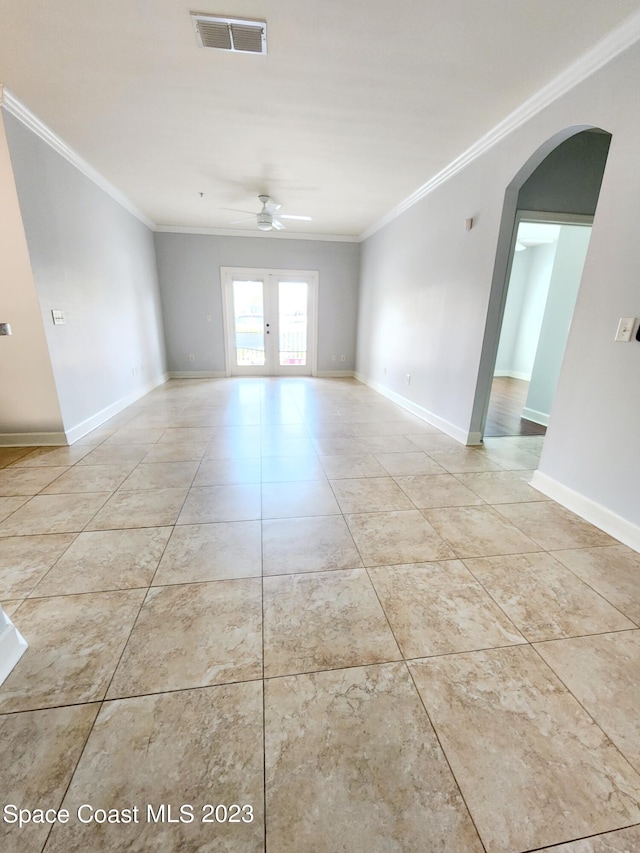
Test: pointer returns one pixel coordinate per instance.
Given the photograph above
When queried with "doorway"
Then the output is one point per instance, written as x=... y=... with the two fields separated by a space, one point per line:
x=269 y=321
x=548 y=258
x=564 y=176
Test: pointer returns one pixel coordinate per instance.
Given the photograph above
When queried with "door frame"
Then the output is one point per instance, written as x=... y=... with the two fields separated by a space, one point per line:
x=227 y=274
x=545 y=217
x=534 y=216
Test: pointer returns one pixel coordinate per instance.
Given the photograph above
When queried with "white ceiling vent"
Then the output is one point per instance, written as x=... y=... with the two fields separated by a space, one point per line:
x=231 y=34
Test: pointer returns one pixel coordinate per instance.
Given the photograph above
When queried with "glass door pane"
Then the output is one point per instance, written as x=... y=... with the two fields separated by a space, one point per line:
x=292 y=323
x=248 y=323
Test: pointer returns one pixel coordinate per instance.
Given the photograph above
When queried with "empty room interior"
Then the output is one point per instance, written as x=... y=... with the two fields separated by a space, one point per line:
x=319 y=426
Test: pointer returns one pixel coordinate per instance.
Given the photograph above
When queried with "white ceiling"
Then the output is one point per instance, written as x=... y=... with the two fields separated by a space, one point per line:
x=356 y=105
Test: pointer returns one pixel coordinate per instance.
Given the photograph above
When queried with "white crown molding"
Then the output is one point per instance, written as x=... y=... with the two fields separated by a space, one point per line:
x=613 y=44
x=16 y=108
x=269 y=235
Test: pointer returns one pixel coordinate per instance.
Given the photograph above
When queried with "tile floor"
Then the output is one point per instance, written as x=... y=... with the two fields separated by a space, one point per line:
x=296 y=601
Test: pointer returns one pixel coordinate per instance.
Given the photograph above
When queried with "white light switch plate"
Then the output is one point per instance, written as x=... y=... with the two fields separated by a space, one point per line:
x=625 y=328
x=58 y=317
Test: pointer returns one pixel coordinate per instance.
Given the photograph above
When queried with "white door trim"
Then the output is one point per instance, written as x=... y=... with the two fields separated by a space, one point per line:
x=227 y=274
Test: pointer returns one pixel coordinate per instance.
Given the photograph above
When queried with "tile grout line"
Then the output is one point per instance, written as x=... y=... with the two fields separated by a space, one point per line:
x=607 y=737
x=445 y=756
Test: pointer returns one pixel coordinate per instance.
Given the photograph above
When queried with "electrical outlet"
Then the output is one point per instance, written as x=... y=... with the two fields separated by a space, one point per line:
x=209 y=318
x=408 y=379
x=192 y=357
x=343 y=358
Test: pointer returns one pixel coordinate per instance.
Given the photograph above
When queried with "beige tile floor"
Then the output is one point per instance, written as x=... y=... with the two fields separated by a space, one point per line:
x=294 y=600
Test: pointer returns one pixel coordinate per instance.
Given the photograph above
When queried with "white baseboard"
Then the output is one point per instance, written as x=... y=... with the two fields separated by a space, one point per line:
x=620 y=528
x=513 y=374
x=334 y=374
x=452 y=430
x=537 y=417
x=197 y=374
x=81 y=429
x=32 y=439
x=12 y=645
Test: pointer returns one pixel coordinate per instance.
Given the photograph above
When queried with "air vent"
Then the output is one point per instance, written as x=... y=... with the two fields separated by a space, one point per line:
x=231 y=34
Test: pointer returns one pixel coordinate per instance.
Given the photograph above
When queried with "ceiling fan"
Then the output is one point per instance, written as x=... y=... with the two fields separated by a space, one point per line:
x=266 y=218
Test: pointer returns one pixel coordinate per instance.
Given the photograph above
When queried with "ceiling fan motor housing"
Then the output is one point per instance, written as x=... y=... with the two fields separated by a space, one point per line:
x=265 y=222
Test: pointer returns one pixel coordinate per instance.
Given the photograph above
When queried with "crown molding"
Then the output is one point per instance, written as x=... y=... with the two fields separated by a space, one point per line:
x=269 y=235
x=613 y=44
x=16 y=108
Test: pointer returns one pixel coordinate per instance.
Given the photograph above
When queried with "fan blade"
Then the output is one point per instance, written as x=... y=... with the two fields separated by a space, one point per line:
x=277 y=224
x=272 y=206
x=291 y=216
x=238 y=210
x=246 y=219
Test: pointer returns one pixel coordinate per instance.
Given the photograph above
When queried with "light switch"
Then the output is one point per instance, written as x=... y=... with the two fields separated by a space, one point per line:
x=5 y=329
x=58 y=317
x=625 y=329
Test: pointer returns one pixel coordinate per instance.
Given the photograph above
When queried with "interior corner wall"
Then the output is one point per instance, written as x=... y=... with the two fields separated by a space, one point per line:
x=563 y=286
x=524 y=312
x=535 y=300
x=189 y=270
x=28 y=397
x=94 y=261
x=426 y=285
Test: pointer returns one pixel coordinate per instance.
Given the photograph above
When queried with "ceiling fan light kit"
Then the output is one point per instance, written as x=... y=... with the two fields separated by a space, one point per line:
x=265 y=222
x=265 y=219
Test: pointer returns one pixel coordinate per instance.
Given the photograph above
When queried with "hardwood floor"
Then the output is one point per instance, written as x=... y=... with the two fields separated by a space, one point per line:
x=508 y=397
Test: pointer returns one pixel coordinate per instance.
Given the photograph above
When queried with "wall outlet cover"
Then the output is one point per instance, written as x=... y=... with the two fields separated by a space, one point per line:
x=625 y=329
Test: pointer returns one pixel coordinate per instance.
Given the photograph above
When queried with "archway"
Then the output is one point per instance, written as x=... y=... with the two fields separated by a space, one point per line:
x=561 y=179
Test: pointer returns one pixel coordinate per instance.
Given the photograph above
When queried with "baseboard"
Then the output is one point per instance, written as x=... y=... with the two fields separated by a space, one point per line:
x=12 y=645
x=334 y=374
x=535 y=416
x=513 y=374
x=452 y=430
x=81 y=429
x=32 y=439
x=620 y=528
x=197 y=374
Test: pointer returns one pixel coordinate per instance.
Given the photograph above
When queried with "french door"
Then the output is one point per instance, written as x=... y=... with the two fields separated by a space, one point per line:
x=270 y=321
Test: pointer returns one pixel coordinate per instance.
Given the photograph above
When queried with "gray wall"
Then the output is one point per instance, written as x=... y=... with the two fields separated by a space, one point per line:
x=96 y=262
x=189 y=270
x=569 y=179
x=427 y=287
x=562 y=294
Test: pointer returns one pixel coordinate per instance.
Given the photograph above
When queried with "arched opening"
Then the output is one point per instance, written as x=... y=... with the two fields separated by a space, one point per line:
x=547 y=213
